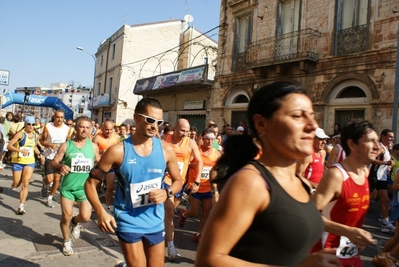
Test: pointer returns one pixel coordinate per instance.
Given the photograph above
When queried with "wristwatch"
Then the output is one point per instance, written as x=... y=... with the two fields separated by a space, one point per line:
x=196 y=183
x=169 y=192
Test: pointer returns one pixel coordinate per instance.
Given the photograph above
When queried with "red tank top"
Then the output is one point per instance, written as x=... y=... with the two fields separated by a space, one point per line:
x=314 y=172
x=349 y=209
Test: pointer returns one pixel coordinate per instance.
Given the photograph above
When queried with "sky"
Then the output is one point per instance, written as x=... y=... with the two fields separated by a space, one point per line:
x=39 y=37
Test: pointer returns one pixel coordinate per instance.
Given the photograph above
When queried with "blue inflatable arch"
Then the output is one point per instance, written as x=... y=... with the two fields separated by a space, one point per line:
x=39 y=101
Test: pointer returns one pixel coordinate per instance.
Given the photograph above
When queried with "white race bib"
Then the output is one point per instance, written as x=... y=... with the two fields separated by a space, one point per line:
x=346 y=249
x=58 y=142
x=139 y=192
x=80 y=164
x=180 y=164
x=205 y=172
x=29 y=149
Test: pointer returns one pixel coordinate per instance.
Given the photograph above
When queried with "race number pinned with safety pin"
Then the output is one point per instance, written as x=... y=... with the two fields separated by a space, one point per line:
x=205 y=173
x=30 y=152
x=80 y=164
x=139 y=192
x=346 y=249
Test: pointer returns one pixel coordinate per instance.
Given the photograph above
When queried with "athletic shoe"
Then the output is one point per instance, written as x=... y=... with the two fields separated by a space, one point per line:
x=44 y=190
x=13 y=187
x=120 y=264
x=389 y=219
x=182 y=219
x=75 y=229
x=1 y=166
x=384 y=260
x=197 y=237
x=172 y=253
x=67 y=248
x=387 y=228
x=21 y=211
x=49 y=202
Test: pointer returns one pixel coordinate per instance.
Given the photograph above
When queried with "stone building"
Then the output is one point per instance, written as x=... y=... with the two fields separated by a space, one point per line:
x=343 y=52
x=149 y=59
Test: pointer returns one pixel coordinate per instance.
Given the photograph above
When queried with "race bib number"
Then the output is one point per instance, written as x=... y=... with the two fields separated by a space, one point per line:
x=346 y=249
x=139 y=192
x=58 y=142
x=80 y=164
x=30 y=152
x=180 y=164
x=205 y=172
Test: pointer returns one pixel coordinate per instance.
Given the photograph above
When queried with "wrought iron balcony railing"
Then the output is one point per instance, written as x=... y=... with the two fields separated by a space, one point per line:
x=290 y=47
x=352 y=40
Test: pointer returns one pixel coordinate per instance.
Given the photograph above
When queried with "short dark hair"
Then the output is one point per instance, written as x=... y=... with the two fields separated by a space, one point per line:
x=385 y=132
x=142 y=105
x=395 y=147
x=207 y=131
x=354 y=131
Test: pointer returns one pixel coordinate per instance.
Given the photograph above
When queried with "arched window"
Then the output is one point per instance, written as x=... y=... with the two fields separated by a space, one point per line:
x=351 y=92
x=240 y=99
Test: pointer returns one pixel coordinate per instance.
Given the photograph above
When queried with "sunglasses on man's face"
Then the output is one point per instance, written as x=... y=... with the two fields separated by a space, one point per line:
x=151 y=120
x=29 y=124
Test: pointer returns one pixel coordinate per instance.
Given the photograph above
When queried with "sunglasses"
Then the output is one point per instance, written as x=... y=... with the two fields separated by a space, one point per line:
x=69 y=124
x=151 y=120
x=29 y=124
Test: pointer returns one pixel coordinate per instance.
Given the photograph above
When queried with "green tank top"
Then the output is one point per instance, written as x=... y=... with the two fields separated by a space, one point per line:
x=80 y=160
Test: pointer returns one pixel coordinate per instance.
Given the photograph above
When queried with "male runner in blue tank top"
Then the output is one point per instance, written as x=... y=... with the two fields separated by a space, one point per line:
x=139 y=163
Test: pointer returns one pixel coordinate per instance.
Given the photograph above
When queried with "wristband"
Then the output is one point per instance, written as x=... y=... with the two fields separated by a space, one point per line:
x=196 y=183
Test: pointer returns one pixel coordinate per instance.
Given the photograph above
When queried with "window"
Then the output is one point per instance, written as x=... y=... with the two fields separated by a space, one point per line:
x=241 y=99
x=287 y=23
x=99 y=88
x=113 y=51
x=80 y=110
x=102 y=60
x=342 y=117
x=351 y=26
x=350 y=92
x=110 y=84
x=116 y=89
x=242 y=38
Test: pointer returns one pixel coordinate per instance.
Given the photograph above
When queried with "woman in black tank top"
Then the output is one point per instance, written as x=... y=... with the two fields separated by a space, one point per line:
x=265 y=214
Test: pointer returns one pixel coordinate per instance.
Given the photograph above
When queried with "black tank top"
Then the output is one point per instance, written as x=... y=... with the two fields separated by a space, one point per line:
x=284 y=233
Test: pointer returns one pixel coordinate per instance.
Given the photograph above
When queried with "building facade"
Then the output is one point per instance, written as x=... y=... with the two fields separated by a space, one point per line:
x=343 y=52
x=158 y=51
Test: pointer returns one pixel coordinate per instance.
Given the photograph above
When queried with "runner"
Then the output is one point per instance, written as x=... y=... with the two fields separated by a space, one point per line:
x=23 y=147
x=74 y=160
x=343 y=195
x=379 y=175
x=203 y=196
x=54 y=134
x=265 y=214
x=312 y=167
x=104 y=140
x=186 y=150
x=140 y=163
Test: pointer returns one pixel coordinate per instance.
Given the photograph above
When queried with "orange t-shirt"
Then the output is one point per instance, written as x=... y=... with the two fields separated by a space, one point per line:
x=105 y=143
x=183 y=152
x=209 y=161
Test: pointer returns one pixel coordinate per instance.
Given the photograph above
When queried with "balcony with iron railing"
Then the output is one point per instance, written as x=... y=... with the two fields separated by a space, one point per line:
x=291 y=47
x=352 y=40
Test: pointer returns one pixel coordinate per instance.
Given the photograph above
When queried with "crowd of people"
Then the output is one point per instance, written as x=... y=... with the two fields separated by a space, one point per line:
x=249 y=183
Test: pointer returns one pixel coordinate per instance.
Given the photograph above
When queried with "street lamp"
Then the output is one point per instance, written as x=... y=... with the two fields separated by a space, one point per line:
x=94 y=79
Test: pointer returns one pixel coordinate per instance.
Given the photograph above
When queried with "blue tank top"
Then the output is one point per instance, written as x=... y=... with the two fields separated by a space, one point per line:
x=136 y=176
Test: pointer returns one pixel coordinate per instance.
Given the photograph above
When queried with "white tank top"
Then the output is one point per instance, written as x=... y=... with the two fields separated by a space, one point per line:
x=57 y=136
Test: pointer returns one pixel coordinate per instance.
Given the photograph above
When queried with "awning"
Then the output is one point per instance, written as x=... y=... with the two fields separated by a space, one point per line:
x=191 y=112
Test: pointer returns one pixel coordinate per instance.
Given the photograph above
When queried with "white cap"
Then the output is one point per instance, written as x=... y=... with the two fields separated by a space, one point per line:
x=321 y=134
x=240 y=128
